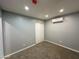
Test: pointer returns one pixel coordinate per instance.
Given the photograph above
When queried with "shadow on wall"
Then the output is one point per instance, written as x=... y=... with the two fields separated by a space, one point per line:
x=58 y=22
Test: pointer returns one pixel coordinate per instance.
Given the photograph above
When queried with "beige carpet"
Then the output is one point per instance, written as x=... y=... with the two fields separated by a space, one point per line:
x=45 y=50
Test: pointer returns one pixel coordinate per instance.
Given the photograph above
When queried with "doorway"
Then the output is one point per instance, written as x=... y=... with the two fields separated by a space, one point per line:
x=39 y=31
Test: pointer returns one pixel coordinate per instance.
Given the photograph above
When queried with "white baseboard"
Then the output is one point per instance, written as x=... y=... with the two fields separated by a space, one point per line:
x=38 y=43
x=19 y=50
x=63 y=46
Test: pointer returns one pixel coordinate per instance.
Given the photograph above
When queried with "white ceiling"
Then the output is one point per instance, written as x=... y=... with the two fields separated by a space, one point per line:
x=50 y=7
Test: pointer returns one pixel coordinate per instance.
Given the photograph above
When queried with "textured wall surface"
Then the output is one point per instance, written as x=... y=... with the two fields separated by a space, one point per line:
x=65 y=33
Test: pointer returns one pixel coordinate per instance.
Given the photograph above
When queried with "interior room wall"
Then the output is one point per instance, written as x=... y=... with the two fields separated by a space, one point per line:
x=65 y=33
x=19 y=31
x=1 y=37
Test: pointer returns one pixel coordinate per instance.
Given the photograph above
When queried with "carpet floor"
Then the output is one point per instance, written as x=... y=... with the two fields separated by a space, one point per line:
x=45 y=50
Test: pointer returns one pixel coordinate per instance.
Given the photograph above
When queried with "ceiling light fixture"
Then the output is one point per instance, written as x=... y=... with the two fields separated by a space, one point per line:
x=61 y=10
x=46 y=16
x=26 y=8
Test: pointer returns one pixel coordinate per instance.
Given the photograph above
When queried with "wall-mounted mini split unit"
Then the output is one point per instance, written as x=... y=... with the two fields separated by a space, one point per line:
x=58 y=20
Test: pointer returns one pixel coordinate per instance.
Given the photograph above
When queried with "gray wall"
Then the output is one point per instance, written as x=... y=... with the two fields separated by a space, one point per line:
x=65 y=33
x=19 y=32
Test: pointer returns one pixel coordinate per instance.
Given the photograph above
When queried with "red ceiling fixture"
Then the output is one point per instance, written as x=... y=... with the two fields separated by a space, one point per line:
x=34 y=2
